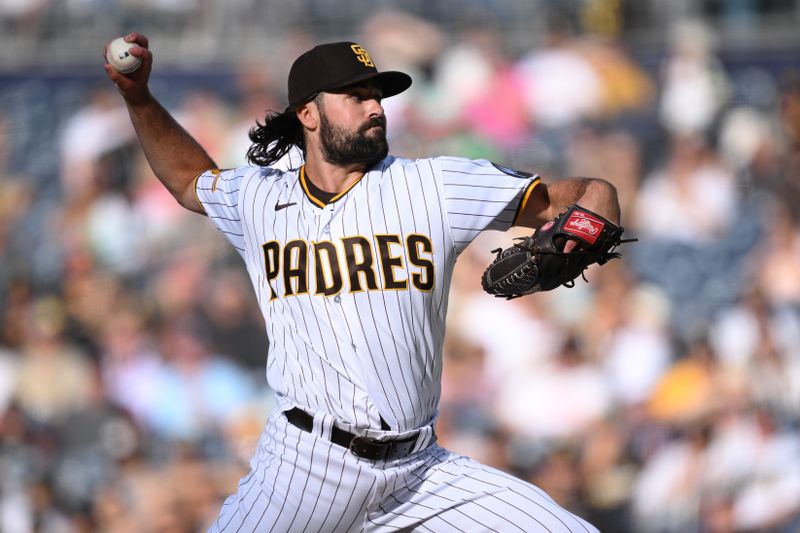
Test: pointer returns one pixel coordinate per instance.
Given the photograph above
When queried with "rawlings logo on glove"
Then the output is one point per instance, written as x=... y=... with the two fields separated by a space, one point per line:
x=539 y=263
x=583 y=224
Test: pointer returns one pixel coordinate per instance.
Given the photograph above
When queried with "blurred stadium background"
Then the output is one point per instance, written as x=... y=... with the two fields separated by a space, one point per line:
x=661 y=397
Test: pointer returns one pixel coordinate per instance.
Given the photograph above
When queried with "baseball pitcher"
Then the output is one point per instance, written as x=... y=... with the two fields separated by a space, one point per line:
x=351 y=254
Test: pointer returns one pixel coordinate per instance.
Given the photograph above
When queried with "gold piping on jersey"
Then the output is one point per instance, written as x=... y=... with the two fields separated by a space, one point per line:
x=316 y=201
x=216 y=172
x=521 y=207
x=197 y=196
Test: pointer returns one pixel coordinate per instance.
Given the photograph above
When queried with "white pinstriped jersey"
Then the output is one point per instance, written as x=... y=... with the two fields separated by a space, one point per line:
x=354 y=292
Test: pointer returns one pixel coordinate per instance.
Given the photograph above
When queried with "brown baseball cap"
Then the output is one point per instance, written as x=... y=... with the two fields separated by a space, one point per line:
x=336 y=65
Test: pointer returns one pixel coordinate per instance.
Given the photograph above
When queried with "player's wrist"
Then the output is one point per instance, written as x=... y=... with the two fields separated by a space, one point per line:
x=140 y=98
x=600 y=197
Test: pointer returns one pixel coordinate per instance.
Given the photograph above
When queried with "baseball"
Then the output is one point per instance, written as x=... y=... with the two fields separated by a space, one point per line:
x=119 y=56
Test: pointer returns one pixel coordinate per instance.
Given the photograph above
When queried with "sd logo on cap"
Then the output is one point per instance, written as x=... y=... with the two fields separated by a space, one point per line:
x=336 y=65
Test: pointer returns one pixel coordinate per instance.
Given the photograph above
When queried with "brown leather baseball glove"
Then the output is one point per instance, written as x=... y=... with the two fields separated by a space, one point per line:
x=538 y=262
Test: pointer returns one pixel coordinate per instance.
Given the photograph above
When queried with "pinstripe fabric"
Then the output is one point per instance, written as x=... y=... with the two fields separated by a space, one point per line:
x=371 y=349
x=301 y=482
x=354 y=296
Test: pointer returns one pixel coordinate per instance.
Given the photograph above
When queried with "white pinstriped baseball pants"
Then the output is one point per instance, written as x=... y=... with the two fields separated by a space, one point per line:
x=300 y=481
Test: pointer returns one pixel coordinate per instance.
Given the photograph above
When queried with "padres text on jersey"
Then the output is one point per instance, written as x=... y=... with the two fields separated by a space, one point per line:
x=353 y=264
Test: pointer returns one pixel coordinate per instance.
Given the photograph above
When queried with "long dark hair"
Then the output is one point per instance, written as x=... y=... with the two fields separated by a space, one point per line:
x=275 y=137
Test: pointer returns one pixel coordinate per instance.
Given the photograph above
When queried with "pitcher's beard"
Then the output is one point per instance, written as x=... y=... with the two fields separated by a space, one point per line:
x=365 y=146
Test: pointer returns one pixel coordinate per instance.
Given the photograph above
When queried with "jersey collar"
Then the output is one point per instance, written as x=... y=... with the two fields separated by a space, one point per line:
x=317 y=201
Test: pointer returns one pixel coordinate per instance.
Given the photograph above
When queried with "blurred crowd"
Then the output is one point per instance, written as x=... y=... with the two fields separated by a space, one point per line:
x=662 y=396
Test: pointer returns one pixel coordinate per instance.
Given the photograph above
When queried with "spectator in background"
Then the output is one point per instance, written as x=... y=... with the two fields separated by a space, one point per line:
x=775 y=263
x=554 y=401
x=690 y=389
x=115 y=232
x=54 y=379
x=694 y=83
x=625 y=88
x=775 y=378
x=87 y=142
x=561 y=86
x=131 y=363
x=666 y=493
x=16 y=200
x=174 y=495
x=750 y=144
x=759 y=341
x=232 y=325
x=737 y=332
x=466 y=387
x=557 y=472
x=174 y=286
x=608 y=470
x=466 y=420
x=92 y=441
x=770 y=497
x=197 y=392
x=637 y=350
x=495 y=112
x=691 y=199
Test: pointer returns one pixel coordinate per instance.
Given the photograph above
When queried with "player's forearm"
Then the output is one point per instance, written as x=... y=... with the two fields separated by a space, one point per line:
x=548 y=200
x=175 y=156
x=594 y=194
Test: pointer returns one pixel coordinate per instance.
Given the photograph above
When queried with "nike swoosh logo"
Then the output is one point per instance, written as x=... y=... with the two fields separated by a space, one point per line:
x=278 y=207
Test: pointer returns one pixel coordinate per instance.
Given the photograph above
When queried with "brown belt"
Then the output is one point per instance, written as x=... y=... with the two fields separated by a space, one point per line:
x=376 y=450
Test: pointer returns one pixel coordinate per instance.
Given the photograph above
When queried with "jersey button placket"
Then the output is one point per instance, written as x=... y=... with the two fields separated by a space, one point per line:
x=326 y=232
x=325 y=220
